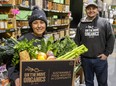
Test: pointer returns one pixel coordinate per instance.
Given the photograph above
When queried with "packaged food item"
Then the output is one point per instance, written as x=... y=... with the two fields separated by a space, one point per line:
x=3 y=71
x=9 y=25
x=4 y=76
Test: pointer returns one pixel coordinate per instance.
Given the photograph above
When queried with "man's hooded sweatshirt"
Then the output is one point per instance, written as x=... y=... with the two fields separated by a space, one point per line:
x=97 y=35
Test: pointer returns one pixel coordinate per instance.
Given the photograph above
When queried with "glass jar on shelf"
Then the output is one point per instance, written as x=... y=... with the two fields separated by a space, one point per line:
x=114 y=21
x=1 y=24
x=10 y=24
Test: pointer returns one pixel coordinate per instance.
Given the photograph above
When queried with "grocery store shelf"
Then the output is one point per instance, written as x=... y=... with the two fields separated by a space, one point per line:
x=6 y=5
x=23 y=7
x=3 y=16
x=8 y=30
x=57 y=25
x=55 y=11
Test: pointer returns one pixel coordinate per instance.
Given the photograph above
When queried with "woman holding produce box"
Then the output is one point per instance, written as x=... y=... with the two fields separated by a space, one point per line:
x=97 y=35
x=38 y=24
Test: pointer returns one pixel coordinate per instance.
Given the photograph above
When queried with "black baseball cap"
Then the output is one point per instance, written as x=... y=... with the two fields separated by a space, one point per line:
x=91 y=4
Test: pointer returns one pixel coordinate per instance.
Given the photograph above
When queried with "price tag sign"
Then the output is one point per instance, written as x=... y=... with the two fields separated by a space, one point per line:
x=47 y=73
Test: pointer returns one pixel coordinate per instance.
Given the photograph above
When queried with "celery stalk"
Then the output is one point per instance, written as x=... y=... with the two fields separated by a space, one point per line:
x=75 y=52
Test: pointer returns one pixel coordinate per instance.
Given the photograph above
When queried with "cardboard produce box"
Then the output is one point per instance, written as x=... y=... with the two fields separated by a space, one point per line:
x=47 y=73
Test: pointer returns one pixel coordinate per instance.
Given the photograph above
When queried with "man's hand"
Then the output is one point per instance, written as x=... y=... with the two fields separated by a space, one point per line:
x=78 y=60
x=17 y=82
x=102 y=56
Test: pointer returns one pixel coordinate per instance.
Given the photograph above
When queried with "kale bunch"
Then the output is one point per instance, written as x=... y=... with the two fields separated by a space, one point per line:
x=7 y=50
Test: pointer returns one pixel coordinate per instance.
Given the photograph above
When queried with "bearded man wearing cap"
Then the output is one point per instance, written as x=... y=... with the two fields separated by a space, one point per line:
x=97 y=35
x=38 y=24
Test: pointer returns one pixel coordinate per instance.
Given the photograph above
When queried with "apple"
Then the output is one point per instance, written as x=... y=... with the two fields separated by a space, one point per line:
x=49 y=53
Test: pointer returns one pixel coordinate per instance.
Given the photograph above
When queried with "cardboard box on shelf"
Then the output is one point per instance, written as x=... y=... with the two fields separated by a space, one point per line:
x=61 y=32
x=67 y=2
x=67 y=32
x=18 y=2
x=12 y=2
x=39 y=3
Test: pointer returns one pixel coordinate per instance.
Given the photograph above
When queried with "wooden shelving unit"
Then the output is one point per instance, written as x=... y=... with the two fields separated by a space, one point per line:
x=58 y=17
x=7 y=19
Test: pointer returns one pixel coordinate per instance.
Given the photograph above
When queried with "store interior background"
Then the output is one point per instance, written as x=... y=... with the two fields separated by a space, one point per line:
x=106 y=11
x=77 y=9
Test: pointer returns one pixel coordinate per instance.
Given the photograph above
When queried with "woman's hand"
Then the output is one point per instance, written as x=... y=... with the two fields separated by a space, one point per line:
x=17 y=82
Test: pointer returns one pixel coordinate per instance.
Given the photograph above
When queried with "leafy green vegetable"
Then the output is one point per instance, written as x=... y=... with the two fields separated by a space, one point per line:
x=7 y=50
x=25 y=45
x=46 y=44
x=59 y=47
x=62 y=46
x=74 y=53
